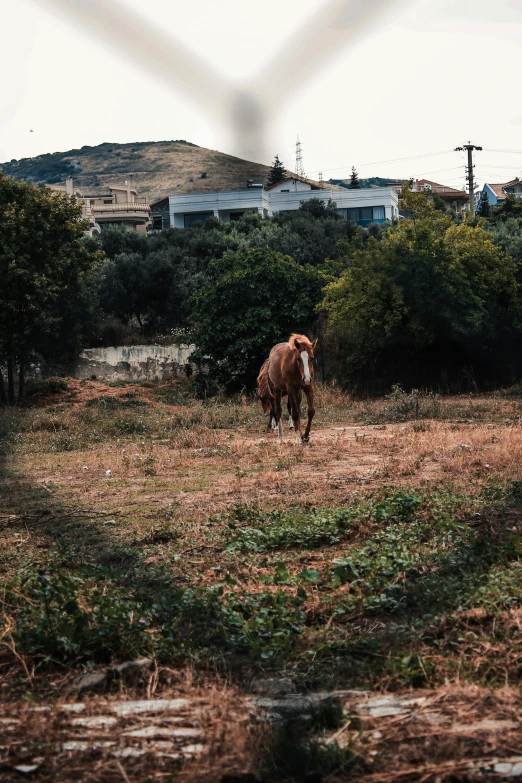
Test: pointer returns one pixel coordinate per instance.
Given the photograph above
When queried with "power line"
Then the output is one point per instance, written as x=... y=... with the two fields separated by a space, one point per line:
x=393 y=160
x=510 y=152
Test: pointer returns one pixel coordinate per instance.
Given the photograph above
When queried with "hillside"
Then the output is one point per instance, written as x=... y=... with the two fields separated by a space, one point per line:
x=156 y=168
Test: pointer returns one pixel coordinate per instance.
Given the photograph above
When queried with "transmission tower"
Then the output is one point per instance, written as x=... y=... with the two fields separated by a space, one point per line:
x=299 y=168
x=469 y=147
x=320 y=177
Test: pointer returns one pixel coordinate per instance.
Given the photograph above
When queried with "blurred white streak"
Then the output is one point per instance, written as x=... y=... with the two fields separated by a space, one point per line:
x=246 y=113
x=322 y=39
x=146 y=46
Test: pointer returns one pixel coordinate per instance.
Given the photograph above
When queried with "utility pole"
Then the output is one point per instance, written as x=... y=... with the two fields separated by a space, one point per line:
x=469 y=172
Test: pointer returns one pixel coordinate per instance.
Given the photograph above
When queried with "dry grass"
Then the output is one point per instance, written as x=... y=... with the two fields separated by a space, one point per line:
x=157 y=169
x=138 y=479
x=91 y=740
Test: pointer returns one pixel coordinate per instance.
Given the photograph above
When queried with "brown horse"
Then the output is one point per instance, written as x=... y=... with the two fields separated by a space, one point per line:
x=266 y=398
x=291 y=372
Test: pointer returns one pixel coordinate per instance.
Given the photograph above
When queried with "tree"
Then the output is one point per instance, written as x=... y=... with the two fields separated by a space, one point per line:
x=123 y=287
x=354 y=179
x=511 y=207
x=277 y=172
x=316 y=207
x=43 y=259
x=429 y=287
x=255 y=299
x=508 y=235
x=483 y=208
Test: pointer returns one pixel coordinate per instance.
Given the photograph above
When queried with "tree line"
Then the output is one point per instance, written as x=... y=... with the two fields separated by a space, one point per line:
x=432 y=300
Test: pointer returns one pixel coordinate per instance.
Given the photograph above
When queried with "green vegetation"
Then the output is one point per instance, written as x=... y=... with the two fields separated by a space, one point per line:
x=430 y=294
x=46 y=297
x=417 y=565
x=252 y=299
x=483 y=209
x=277 y=172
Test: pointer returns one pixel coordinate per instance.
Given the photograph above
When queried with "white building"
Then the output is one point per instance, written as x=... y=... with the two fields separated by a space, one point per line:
x=362 y=205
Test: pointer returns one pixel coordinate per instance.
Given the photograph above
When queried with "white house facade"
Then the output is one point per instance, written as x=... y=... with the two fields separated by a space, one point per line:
x=361 y=205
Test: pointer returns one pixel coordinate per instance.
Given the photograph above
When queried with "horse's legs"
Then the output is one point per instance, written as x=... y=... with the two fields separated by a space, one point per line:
x=294 y=399
x=309 y=391
x=290 y=420
x=278 y=412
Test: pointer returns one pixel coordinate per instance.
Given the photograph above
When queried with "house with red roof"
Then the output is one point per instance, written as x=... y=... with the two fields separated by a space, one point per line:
x=497 y=193
x=454 y=199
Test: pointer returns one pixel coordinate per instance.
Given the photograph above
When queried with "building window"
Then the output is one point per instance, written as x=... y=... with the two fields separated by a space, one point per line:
x=107 y=201
x=236 y=216
x=196 y=217
x=363 y=216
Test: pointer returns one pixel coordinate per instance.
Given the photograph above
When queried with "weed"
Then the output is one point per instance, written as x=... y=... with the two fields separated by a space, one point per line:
x=47 y=388
x=284 y=529
x=113 y=403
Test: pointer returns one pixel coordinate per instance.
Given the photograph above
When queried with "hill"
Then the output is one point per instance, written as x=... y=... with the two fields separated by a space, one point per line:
x=156 y=168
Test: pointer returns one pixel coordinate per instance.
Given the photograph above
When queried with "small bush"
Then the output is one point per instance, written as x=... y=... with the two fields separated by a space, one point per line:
x=47 y=388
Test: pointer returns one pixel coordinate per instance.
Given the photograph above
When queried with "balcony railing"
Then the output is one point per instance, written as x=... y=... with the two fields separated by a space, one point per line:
x=131 y=206
x=442 y=189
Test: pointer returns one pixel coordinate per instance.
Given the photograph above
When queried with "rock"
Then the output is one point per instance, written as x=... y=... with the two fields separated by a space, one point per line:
x=162 y=731
x=383 y=706
x=288 y=706
x=82 y=746
x=94 y=721
x=74 y=707
x=191 y=750
x=273 y=687
x=123 y=708
x=131 y=670
x=129 y=753
x=97 y=681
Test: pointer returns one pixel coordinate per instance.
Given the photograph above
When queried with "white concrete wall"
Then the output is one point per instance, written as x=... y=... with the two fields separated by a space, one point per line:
x=272 y=201
x=293 y=185
x=362 y=197
x=133 y=362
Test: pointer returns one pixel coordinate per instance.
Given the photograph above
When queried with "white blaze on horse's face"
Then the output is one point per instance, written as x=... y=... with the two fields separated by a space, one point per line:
x=304 y=358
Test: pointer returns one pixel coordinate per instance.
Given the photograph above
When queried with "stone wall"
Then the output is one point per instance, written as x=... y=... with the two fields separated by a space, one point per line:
x=133 y=362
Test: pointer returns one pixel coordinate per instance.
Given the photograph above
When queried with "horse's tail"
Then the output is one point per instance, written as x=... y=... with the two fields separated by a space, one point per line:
x=263 y=389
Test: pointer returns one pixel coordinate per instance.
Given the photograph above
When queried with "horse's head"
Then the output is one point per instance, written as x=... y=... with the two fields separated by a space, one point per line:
x=305 y=356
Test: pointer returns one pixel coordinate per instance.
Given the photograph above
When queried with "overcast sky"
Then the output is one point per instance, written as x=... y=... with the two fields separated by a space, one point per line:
x=427 y=76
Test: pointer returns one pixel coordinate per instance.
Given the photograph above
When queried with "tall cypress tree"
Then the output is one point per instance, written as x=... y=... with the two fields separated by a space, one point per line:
x=276 y=173
x=354 y=179
x=483 y=208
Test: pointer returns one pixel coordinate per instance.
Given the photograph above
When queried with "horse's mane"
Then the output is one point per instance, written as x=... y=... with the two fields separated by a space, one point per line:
x=302 y=338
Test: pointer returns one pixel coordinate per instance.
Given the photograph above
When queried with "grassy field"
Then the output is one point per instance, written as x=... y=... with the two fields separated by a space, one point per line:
x=383 y=556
